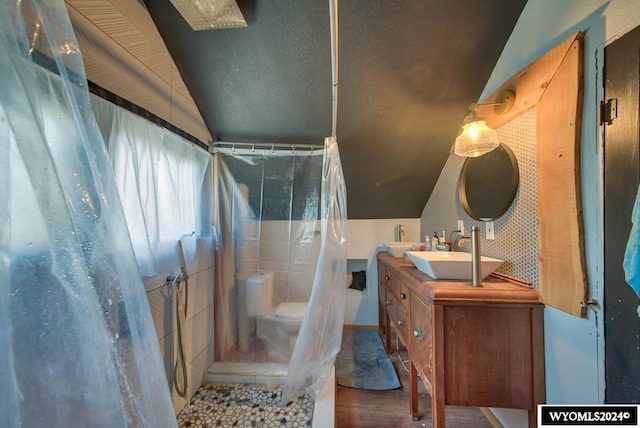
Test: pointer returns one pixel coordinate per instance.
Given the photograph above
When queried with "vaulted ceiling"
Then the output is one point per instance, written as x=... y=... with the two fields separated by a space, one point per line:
x=408 y=69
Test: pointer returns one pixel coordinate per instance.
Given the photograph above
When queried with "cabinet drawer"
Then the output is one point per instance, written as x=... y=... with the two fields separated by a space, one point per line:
x=421 y=340
x=383 y=283
x=400 y=318
x=404 y=297
x=394 y=286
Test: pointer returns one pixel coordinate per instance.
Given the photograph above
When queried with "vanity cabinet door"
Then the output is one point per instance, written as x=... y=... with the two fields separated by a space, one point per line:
x=421 y=340
x=402 y=323
x=394 y=286
x=383 y=281
x=404 y=297
x=383 y=322
x=400 y=318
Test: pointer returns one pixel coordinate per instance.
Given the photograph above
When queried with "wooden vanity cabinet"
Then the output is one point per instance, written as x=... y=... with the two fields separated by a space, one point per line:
x=421 y=341
x=471 y=346
x=383 y=319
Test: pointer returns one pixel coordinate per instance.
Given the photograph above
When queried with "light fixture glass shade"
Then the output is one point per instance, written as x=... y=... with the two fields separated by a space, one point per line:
x=476 y=139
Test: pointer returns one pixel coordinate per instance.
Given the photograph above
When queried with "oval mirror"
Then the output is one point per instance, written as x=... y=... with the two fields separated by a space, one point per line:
x=489 y=183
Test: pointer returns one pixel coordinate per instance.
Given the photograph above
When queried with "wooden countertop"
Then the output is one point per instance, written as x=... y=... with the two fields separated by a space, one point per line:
x=494 y=290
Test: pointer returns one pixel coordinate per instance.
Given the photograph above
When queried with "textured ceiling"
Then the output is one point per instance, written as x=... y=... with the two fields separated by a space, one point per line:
x=407 y=72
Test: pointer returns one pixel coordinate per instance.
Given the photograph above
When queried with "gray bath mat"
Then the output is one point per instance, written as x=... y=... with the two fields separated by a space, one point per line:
x=363 y=363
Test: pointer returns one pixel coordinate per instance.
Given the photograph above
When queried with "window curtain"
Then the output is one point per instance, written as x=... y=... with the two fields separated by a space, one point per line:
x=165 y=185
x=76 y=335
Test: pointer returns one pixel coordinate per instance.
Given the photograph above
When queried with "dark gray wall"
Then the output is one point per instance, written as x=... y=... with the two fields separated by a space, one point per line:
x=407 y=72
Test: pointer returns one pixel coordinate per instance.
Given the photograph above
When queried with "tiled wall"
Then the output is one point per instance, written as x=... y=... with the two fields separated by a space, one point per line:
x=198 y=331
x=289 y=249
x=515 y=232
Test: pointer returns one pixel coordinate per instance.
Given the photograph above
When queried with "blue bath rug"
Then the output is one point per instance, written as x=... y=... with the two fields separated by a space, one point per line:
x=363 y=363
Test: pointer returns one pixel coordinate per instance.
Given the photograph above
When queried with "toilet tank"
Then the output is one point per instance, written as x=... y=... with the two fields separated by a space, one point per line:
x=259 y=291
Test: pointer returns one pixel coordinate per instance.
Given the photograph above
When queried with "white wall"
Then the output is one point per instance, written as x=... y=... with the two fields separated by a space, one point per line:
x=573 y=346
x=365 y=239
x=289 y=250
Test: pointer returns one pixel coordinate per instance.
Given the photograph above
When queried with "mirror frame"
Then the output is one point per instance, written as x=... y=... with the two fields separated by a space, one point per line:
x=513 y=190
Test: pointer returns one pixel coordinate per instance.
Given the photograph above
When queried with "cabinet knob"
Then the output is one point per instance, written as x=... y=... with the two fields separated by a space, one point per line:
x=388 y=301
x=418 y=333
x=403 y=296
x=386 y=278
x=401 y=322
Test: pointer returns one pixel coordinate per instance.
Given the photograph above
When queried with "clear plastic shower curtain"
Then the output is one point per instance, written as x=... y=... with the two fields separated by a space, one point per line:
x=282 y=214
x=320 y=335
x=76 y=336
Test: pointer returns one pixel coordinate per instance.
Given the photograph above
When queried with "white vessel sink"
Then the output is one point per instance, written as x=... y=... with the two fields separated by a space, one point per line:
x=450 y=264
x=397 y=249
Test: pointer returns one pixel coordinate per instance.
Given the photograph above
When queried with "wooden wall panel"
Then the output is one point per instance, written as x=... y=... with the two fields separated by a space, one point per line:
x=554 y=84
x=529 y=84
x=562 y=270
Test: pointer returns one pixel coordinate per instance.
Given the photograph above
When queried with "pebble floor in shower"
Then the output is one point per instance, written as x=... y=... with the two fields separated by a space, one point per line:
x=240 y=405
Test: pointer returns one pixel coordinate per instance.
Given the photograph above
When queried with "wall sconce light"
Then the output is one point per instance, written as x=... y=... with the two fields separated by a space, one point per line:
x=476 y=138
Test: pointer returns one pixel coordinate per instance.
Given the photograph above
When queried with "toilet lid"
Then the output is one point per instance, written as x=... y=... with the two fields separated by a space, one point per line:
x=291 y=310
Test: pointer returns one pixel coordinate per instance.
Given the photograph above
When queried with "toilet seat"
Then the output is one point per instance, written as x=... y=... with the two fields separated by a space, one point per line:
x=291 y=310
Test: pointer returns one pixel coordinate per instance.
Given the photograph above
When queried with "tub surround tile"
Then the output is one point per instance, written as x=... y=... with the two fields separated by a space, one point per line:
x=200 y=331
x=162 y=310
x=204 y=259
x=201 y=292
x=255 y=369
x=274 y=250
x=275 y=230
x=248 y=249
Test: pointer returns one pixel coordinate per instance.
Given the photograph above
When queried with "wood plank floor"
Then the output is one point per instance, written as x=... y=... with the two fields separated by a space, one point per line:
x=385 y=409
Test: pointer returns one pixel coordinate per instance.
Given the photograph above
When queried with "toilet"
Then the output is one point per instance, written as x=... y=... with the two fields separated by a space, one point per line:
x=276 y=327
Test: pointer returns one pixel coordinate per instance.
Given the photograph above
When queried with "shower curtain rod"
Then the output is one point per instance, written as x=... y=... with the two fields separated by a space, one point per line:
x=333 y=23
x=266 y=146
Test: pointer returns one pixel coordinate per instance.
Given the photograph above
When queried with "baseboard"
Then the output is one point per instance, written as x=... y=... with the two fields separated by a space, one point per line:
x=495 y=423
x=324 y=408
x=360 y=327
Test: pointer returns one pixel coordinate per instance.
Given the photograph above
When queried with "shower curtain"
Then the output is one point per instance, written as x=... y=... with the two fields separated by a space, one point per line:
x=282 y=212
x=77 y=339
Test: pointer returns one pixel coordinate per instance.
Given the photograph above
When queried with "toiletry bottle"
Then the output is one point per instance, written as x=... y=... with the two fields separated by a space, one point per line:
x=440 y=245
x=434 y=242
x=427 y=243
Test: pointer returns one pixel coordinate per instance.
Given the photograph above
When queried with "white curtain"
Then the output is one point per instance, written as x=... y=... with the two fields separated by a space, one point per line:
x=165 y=184
x=76 y=336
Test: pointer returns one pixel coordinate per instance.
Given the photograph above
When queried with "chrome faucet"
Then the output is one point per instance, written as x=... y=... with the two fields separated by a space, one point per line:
x=457 y=242
x=399 y=232
x=475 y=254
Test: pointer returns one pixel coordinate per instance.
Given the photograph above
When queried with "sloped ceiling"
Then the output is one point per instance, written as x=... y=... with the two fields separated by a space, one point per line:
x=124 y=53
x=408 y=70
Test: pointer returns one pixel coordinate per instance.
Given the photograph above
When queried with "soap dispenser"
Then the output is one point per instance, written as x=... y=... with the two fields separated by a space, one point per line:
x=434 y=242
x=427 y=243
